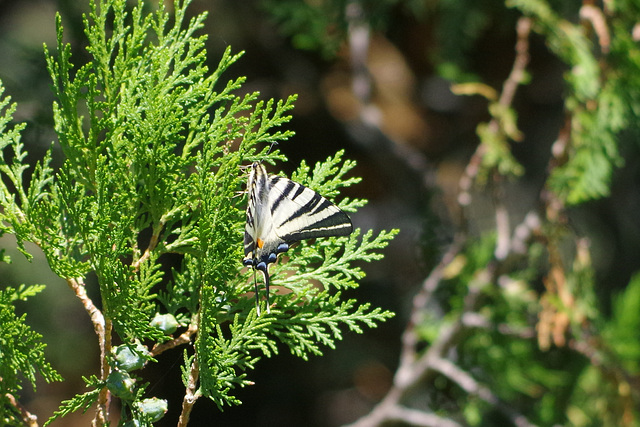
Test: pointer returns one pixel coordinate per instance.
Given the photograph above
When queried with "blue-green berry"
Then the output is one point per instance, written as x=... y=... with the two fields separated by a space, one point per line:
x=167 y=323
x=153 y=408
x=121 y=385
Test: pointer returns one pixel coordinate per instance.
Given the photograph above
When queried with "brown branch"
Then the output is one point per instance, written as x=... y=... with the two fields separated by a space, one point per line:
x=191 y=392
x=410 y=337
x=416 y=368
x=104 y=398
x=509 y=88
x=153 y=242
x=517 y=75
x=28 y=418
x=97 y=319
x=595 y=16
x=184 y=338
x=102 y=329
x=191 y=395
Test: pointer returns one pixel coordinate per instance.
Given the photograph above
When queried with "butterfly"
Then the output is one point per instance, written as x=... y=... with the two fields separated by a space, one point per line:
x=281 y=212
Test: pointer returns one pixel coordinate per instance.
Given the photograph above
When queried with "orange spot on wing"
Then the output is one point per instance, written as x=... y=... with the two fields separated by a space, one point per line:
x=260 y=243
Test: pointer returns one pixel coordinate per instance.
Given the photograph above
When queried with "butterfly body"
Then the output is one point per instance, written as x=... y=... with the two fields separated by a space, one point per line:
x=281 y=212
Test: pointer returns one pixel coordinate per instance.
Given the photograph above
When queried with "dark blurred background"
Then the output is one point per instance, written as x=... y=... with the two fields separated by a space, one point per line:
x=411 y=150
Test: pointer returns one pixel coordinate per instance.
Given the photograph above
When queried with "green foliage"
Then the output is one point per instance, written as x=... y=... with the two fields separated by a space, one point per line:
x=21 y=352
x=495 y=136
x=601 y=70
x=523 y=337
x=601 y=101
x=622 y=333
x=587 y=383
x=580 y=370
x=499 y=346
x=451 y=53
x=223 y=354
x=323 y=26
x=153 y=145
x=80 y=402
x=604 y=390
x=21 y=348
x=605 y=393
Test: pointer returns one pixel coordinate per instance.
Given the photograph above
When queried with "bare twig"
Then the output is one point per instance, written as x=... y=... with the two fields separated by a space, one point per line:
x=184 y=338
x=594 y=15
x=552 y=324
x=359 y=37
x=516 y=77
x=414 y=368
x=471 y=386
x=97 y=319
x=388 y=410
x=153 y=242
x=102 y=329
x=191 y=394
x=28 y=418
x=503 y=228
x=409 y=337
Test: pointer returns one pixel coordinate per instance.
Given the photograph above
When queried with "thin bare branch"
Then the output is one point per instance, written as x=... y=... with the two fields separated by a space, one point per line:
x=474 y=388
x=191 y=394
x=503 y=227
x=595 y=16
x=509 y=88
x=102 y=329
x=184 y=338
x=28 y=418
x=420 y=300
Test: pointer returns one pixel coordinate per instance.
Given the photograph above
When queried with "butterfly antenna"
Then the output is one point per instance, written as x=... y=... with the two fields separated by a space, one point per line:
x=273 y=143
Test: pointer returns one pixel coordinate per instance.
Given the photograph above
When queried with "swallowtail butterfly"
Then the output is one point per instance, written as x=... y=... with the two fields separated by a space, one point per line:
x=281 y=212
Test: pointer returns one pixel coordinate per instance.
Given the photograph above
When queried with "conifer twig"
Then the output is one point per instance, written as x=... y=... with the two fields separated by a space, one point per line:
x=516 y=77
x=153 y=242
x=184 y=338
x=102 y=329
x=415 y=368
x=191 y=394
x=28 y=418
x=596 y=17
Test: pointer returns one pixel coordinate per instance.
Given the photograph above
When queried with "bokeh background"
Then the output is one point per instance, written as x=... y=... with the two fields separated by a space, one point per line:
x=412 y=138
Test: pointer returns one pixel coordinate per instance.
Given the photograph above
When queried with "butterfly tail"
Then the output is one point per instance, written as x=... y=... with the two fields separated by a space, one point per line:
x=264 y=268
x=255 y=282
x=266 y=285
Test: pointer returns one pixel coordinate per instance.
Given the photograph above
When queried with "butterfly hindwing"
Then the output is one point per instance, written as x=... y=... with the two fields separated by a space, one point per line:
x=281 y=212
x=300 y=213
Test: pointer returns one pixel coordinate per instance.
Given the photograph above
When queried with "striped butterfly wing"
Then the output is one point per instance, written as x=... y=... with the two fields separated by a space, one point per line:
x=300 y=213
x=281 y=212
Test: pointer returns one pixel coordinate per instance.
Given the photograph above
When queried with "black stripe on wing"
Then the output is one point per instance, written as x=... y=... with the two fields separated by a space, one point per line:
x=289 y=187
x=300 y=213
x=337 y=224
x=310 y=209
